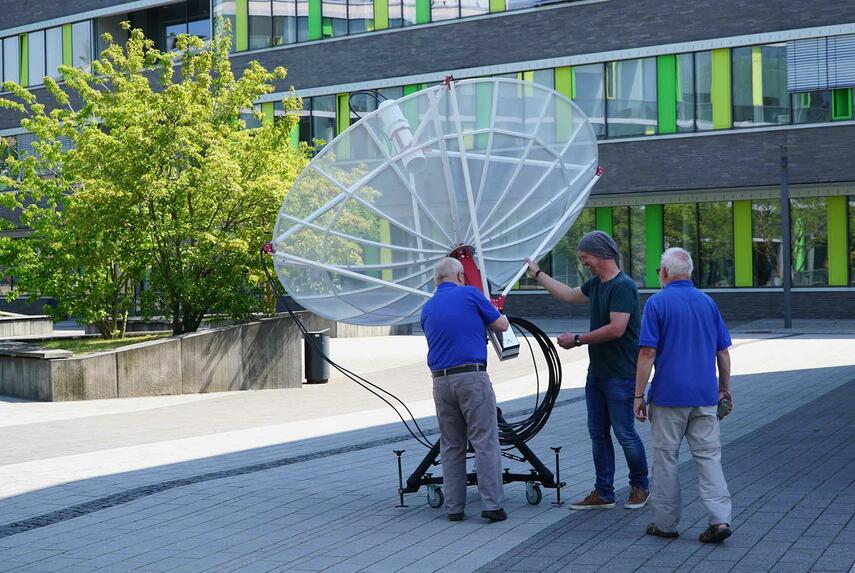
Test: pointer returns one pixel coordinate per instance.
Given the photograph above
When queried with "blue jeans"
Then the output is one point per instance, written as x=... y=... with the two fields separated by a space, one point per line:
x=610 y=407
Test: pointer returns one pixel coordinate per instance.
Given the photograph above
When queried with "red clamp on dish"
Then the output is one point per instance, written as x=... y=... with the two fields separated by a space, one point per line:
x=447 y=81
x=268 y=249
x=499 y=303
x=600 y=170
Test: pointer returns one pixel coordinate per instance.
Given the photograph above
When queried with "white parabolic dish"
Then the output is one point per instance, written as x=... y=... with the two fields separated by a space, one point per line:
x=502 y=165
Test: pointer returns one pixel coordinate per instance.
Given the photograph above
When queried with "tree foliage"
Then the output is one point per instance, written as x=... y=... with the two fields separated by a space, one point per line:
x=151 y=177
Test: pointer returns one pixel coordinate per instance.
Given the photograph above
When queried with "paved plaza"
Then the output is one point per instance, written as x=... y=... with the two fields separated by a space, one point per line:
x=305 y=480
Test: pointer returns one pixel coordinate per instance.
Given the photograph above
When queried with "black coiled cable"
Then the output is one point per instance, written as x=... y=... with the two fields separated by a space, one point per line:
x=510 y=433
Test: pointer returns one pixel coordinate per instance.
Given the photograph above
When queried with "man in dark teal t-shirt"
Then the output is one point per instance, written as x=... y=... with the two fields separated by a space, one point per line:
x=612 y=300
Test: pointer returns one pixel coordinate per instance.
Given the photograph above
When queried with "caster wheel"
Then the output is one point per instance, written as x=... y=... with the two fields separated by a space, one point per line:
x=435 y=497
x=533 y=495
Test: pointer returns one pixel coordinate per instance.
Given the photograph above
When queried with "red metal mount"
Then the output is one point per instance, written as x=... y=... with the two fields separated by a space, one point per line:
x=466 y=255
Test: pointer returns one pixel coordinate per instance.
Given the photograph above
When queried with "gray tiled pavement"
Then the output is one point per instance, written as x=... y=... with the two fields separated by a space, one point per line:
x=336 y=512
x=793 y=485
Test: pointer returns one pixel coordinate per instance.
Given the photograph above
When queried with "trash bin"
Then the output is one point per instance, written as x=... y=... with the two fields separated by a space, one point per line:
x=315 y=346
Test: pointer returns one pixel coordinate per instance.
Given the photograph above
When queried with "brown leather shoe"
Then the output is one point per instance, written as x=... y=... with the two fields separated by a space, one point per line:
x=637 y=498
x=593 y=501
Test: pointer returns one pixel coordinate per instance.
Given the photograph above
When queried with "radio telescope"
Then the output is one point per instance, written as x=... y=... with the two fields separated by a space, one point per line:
x=498 y=165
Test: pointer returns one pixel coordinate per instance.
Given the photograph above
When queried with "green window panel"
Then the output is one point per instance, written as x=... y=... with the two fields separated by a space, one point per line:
x=241 y=25
x=295 y=136
x=604 y=222
x=267 y=111
x=720 y=94
x=837 y=248
x=654 y=241
x=24 y=56
x=422 y=11
x=667 y=93
x=564 y=81
x=743 y=258
x=67 y=51
x=841 y=104
x=497 y=6
x=381 y=14
x=342 y=115
x=315 y=20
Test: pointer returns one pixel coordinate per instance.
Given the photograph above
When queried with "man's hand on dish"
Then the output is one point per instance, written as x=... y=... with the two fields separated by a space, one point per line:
x=533 y=267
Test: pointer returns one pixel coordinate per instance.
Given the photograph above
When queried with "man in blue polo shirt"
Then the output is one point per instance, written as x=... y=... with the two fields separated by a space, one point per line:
x=684 y=336
x=454 y=321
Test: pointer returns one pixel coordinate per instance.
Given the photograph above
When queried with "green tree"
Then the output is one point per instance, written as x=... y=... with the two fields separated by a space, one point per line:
x=151 y=177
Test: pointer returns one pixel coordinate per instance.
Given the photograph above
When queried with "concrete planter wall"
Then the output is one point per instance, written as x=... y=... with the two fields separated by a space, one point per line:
x=12 y=325
x=258 y=355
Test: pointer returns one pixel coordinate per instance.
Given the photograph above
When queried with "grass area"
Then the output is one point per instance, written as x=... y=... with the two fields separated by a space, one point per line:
x=85 y=345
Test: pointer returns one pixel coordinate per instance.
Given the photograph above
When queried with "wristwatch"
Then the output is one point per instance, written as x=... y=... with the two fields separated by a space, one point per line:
x=578 y=340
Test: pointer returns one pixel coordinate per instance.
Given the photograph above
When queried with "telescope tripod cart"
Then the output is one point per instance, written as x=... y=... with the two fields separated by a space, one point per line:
x=538 y=476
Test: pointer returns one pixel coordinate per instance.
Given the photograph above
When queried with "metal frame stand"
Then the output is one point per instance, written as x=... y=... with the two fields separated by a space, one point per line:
x=538 y=476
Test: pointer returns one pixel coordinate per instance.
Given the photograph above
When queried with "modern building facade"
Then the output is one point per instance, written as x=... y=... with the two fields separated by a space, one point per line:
x=698 y=106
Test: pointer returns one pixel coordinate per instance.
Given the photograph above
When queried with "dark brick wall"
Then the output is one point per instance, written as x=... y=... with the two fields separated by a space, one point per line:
x=17 y=13
x=735 y=306
x=735 y=159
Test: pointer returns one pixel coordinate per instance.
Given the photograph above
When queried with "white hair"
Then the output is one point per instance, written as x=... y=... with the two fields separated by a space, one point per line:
x=678 y=262
x=446 y=268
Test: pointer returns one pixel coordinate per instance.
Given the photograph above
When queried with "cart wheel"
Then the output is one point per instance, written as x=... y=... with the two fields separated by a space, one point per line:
x=435 y=497
x=533 y=495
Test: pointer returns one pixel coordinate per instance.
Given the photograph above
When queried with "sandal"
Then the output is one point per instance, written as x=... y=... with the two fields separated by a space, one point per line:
x=715 y=533
x=653 y=530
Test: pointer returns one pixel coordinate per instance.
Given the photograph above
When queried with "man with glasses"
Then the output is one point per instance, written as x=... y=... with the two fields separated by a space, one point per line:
x=684 y=336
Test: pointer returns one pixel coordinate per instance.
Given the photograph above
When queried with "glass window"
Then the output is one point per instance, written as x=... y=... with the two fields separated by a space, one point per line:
x=334 y=18
x=11 y=60
x=852 y=240
x=109 y=25
x=53 y=51
x=249 y=117
x=628 y=231
x=260 y=24
x=360 y=15
x=199 y=18
x=766 y=231
x=284 y=22
x=323 y=118
x=565 y=262
x=812 y=107
x=715 y=265
x=396 y=13
x=226 y=10
x=81 y=44
x=544 y=78
x=588 y=93
x=681 y=230
x=703 y=90
x=474 y=7
x=809 y=231
x=409 y=12
x=444 y=10
x=685 y=92
x=631 y=104
x=760 y=95
x=302 y=20
x=36 y=57
x=305 y=125
x=620 y=233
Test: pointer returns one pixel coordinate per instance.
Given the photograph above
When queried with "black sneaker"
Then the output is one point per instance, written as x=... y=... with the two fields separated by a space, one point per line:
x=455 y=516
x=494 y=514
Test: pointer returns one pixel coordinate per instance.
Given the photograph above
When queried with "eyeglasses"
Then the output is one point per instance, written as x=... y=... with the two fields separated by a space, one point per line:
x=657 y=271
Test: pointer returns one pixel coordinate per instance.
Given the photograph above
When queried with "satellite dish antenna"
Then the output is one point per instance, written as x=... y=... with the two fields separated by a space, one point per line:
x=490 y=169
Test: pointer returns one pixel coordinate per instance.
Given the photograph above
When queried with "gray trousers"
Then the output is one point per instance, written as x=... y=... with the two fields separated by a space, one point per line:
x=466 y=408
x=700 y=427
